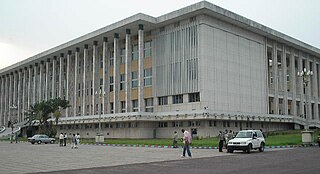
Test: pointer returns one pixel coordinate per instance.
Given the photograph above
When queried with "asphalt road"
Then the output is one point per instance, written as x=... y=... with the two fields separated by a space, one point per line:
x=291 y=161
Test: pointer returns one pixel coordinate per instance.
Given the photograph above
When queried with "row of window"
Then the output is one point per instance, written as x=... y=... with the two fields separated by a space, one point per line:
x=176 y=99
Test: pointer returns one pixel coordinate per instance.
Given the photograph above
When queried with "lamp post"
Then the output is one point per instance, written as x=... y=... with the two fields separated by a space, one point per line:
x=305 y=75
x=12 y=122
x=307 y=136
x=99 y=136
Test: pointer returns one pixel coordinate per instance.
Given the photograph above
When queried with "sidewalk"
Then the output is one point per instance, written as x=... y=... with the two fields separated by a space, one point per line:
x=27 y=158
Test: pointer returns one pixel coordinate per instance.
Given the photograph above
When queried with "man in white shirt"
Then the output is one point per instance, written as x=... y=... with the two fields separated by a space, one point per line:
x=187 y=140
x=61 y=137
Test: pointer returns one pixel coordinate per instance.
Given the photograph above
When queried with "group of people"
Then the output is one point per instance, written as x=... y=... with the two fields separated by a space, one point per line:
x=224 y=138
x=75 y=140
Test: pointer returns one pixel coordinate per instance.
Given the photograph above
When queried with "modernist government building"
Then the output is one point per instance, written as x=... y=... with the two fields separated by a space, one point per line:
x=201 y=68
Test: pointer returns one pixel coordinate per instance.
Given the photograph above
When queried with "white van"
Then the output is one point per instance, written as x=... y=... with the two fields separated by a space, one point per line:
x=247 y=140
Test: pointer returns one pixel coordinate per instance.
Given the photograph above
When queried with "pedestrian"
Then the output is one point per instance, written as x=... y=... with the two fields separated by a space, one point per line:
x=221 y=140
x=61 y=139
x=264 y=135
x=77 y=140
x=175 y=139
x=65 y=139
x=187 y=140
x=16 y=137
x=226 y=138
x=73 y=141
x=319 y=140
x=230 y=135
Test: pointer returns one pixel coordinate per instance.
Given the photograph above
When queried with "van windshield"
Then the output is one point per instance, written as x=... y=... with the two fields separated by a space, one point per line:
x=244 y=135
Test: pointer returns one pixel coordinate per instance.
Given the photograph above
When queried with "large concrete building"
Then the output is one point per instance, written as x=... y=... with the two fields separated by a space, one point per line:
x=202 y=68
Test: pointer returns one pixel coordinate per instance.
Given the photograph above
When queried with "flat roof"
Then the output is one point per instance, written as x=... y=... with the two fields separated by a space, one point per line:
x=150 y=23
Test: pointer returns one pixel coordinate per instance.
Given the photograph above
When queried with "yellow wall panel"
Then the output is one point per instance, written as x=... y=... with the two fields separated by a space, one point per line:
x=122 y=68
x=122 y=96
x=111 y=96
x=134 y=94
x=148 y=92
x=148 y=63
x=134 y=66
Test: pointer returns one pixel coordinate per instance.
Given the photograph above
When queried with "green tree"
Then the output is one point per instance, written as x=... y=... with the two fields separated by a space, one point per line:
x=40 y=113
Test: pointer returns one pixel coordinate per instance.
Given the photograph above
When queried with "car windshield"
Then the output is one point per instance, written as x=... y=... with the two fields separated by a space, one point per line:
x=244 y=135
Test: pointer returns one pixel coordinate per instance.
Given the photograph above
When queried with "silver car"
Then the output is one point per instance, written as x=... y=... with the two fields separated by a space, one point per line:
x=41 y=138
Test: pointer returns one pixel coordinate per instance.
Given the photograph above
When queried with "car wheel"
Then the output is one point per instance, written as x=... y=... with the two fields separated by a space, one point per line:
x=39 y=142
x=249 y=148
x=261 y=149
x=52 y=142
x=32 y=142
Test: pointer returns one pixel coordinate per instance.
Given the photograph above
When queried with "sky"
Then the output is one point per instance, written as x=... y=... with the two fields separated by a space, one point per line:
x=29 y=27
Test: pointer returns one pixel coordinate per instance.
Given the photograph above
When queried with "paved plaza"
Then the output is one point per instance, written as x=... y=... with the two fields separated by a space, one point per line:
x=27 y=158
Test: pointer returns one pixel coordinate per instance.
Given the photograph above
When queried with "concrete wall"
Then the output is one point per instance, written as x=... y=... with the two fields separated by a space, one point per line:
x=232 y=68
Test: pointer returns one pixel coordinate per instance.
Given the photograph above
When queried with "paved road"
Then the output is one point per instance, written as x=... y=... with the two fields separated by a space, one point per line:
x=27 y=158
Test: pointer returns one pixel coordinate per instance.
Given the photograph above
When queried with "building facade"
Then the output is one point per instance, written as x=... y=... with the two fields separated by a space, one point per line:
x=201 y=68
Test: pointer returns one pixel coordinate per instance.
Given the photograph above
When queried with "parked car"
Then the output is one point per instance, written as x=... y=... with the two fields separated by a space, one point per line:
x=41 y=138
x=247 y=140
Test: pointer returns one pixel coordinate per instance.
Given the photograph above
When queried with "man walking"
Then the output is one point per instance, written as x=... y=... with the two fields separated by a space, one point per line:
x=187 y=140
x=61 y=137
x=175 y=140
x=221 y=140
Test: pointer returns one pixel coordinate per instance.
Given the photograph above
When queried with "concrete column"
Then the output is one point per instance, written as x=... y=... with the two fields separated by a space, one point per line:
x=19 y=95
x=275 y=78
x=141 y=68
x=53 y=90
x=104 y=55
x=15 y=94
x=116 y=73
x=1 y=101
x=128 y=69
x=85 y=52
x=29 y=87
x=300 y=84
x=293 y=76
x=10 y=96
x=67 y=80
x=24 y=91
x=94 y=55
x=40 y=87
x=76 y=59
x=60 y=76
x=284 y=77
x=35 y=73
x=6 y=98
x=47 y=89
x=315 y=90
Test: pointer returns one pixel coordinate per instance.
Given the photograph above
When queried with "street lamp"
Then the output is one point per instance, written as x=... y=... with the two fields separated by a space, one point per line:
x=307 y=136
x=305 y=75
x=100 y=137
x=12 y=122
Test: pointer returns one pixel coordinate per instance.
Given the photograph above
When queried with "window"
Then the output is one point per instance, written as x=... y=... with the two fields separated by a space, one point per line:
x=147 y=49
x=111 y=108
x=134 y=76
x=108 y=125
x=163 y=124
x=111 y=60
x=177 y=124
x=122 y=55
x=133 y=124
x=101 y=84
x=135 y=54
x=194 y=97
x=149 y=104
x=122 y=81
x=177 y=99
x=135 y=106
x=111 y=83
x=148 y=77
x=123 y=106
x=212 y=123
x=163 y=100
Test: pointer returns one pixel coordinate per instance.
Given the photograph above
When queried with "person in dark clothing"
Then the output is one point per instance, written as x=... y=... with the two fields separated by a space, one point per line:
x=221 y=140
x=65 y=139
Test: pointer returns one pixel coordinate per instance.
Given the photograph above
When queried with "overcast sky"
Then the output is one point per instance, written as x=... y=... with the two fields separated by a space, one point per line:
x=29 y=27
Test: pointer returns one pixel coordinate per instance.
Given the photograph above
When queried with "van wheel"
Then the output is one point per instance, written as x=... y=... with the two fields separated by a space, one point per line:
x=249 y=148
x=261 y=149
